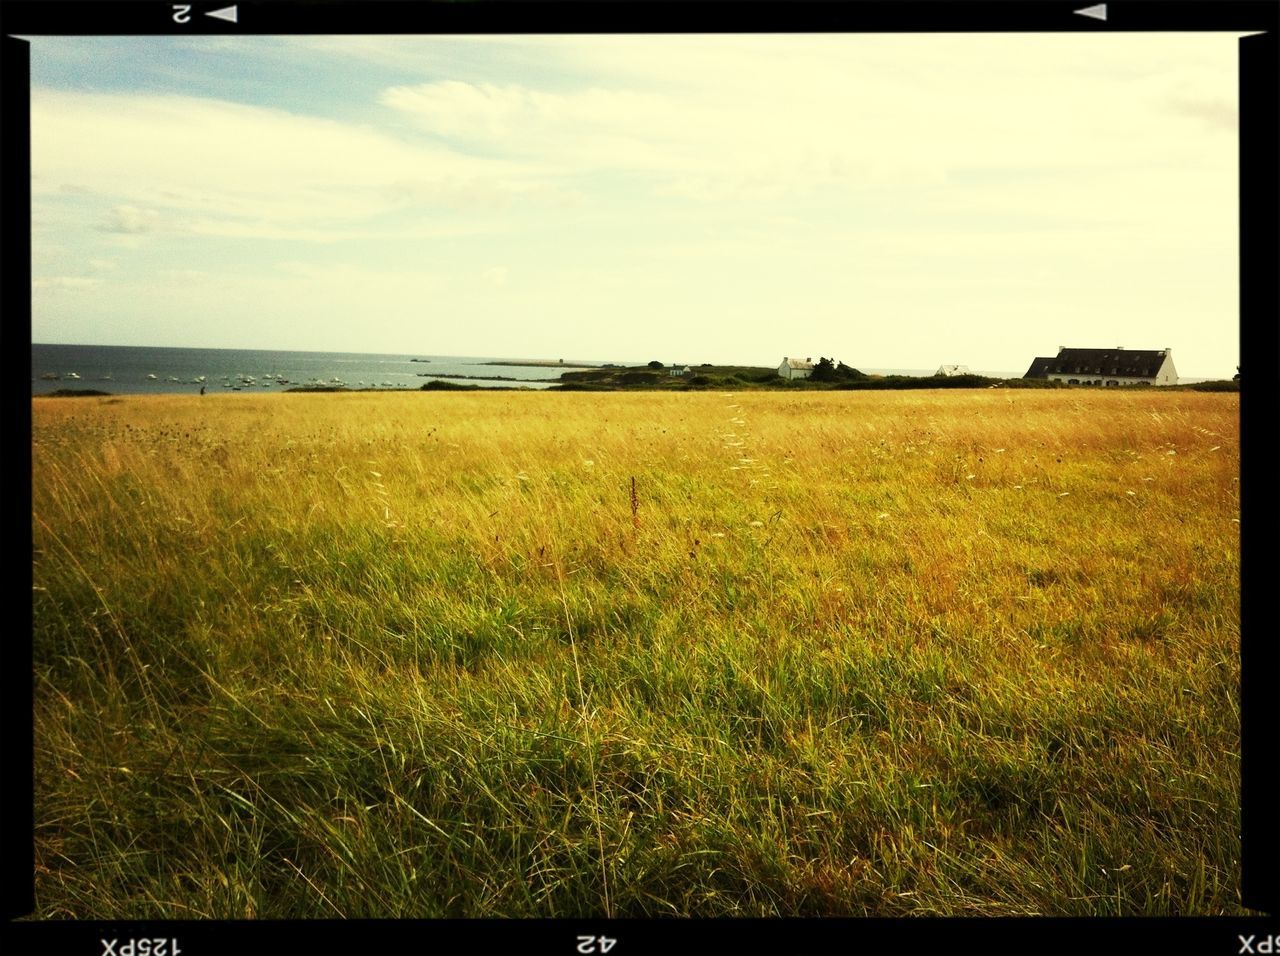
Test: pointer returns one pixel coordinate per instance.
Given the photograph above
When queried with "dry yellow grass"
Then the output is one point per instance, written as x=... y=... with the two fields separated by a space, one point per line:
x=974 y=647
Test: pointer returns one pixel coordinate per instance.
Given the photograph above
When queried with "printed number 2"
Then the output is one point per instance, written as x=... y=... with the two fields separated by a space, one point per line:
x=181 y=13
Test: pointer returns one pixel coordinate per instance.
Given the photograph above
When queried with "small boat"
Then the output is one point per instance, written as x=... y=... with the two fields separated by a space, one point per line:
x=172 y=378
x=151 y=378
x=73 y=375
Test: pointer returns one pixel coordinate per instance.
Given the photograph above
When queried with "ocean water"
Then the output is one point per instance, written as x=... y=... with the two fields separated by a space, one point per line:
x=125 y=369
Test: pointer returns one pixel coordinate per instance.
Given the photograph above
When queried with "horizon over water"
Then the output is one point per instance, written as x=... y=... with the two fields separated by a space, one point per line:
x=169 y=370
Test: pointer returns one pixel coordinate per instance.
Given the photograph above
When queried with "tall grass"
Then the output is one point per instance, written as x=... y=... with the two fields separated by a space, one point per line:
x=637 y=654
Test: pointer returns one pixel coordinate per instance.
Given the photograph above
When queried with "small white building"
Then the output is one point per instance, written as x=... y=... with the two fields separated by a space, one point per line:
x=1107 y=367
x=950 y=370
x=679 y=370
x=796 y=368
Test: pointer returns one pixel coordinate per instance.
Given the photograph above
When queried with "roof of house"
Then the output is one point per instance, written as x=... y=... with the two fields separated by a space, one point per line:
x=797 y=363
x=1130 y=363
x=952 y=370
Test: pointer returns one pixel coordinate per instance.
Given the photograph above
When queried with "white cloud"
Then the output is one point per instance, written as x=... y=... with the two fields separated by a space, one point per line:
x=129 y=220
x=1215 y=113
x=181 y=161
x=73 y=283
x=732 y=117
x=487 y=110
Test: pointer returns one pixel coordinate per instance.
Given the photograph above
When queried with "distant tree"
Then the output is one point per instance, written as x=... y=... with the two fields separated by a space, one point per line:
x=655 y=364
x=824 y=371
x=831 y=370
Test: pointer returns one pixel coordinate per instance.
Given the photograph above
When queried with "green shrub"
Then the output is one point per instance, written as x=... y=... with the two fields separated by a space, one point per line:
x=1217 y=386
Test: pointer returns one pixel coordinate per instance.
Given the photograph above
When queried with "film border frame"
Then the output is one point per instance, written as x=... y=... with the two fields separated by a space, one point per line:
x=1259 y=161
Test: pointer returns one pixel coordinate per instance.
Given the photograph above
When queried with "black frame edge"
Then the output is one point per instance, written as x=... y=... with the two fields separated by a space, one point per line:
x=17 y=745
x=1259 y=515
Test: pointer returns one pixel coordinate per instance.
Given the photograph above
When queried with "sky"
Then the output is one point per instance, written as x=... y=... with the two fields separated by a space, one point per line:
x=893 y=201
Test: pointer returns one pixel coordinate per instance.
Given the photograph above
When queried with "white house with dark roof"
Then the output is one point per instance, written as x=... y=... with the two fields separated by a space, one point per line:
x=950 y=370
x=1106 y=367
x=796 y=368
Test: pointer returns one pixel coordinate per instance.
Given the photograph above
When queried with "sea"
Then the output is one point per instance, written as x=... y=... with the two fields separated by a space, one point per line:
x=133 y=370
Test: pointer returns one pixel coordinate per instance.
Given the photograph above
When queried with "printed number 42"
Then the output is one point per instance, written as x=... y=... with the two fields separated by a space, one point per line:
x=595 y=944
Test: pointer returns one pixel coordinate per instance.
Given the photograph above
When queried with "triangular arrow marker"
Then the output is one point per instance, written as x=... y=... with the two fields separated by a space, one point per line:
x=229 y=14
x=1098 y=11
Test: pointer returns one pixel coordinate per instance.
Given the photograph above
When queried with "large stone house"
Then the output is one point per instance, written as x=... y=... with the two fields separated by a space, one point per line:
x=1118 y=366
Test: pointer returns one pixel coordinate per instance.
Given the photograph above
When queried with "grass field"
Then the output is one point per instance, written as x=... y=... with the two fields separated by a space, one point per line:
x=837 y=653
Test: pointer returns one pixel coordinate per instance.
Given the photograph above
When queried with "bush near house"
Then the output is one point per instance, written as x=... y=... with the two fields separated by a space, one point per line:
x=828 y=370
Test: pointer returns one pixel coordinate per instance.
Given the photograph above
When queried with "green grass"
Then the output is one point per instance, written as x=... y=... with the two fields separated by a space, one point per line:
x=853 y=653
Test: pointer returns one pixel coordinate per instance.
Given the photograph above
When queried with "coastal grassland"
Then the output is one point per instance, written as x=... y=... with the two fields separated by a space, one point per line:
x=843 y=653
